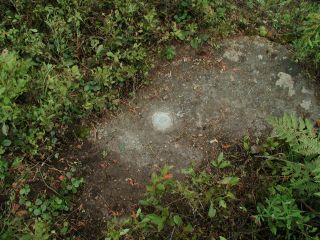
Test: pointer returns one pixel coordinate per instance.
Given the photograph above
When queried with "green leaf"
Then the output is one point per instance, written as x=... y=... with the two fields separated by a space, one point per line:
x=195 y=43
x=170 y=53
x=5 y=129
x=41 y=231
x=58 y=201
x=231 y=195
x=6 y=142
x=38 y=202
x=212 y=211
x=99 y=49
x=317 y=194
x=6 y=100
x=25 y=190
x=161 y=187
x=177 y=220
x=188 y=228
x=232 y=181
x=138 y=212
x=273 y=229
x=181 y=35
x=157 y=220
x=17 y=162
x=37 y=212
x=263 y=31
x=220 y=157
x=224 y=164
x=124 y=231
x=222 y=203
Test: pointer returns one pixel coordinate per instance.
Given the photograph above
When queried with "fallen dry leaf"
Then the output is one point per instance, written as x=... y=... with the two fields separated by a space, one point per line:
x=131 y=181
x=15 y=207
x=167 y=176
x=21 y=213
x=134 y=215
x=226 y=146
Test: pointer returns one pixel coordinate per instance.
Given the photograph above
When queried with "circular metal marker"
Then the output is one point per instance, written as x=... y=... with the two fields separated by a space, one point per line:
x=162 y=121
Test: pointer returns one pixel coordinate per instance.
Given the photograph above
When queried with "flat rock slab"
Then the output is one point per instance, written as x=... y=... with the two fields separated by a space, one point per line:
x=193 y=103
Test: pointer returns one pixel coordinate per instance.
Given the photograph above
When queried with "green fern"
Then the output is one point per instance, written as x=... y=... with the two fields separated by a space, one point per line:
x=301 y=164
x=294 y=199
x=304 y=179
x=298 y=133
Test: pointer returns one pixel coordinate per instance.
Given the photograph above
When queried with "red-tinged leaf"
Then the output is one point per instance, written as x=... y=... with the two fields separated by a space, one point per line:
x=15 y=207
x=226 y=146
x=168 y=176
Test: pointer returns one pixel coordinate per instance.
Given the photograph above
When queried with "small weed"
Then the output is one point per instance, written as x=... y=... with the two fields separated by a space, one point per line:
x=170 y=53
x=263 y=31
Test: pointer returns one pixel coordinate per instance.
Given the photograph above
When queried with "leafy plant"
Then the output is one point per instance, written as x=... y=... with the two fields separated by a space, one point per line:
x=281 y=212
x=298 y=133
x=3 y=169
x=179 y=209
x=298 y=182
x=308 y=43
x=263 y=31
x=170 y=53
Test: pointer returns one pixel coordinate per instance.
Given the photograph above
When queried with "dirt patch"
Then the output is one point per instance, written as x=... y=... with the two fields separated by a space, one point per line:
x=114 y=186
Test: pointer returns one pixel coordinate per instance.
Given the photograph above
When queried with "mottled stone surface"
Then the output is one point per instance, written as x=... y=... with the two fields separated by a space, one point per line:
x=192 y=104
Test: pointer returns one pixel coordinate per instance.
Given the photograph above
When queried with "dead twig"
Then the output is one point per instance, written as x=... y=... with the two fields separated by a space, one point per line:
x=52 y=189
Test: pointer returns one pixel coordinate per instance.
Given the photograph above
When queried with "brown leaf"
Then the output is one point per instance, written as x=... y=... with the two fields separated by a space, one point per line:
x=226 y=146
x=133 y=215
x=167 y=176
x=15 y=207
x=21 y=213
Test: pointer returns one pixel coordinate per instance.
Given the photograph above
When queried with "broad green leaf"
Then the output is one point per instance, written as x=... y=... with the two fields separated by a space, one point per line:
x=138 y=212
x=38 y=202
x=6 y=142
x=5 y=129
x=124 y=231
x=220 y=157
x=37 y=212
x=161 y=187
x=177 y=220
x=317 y=194
x=188 y=228
x=212 y=211
x=222 y=203
x=230 y=181
x=157 y=220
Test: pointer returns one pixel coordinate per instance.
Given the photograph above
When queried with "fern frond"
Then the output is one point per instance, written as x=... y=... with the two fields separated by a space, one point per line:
x=298 y=133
